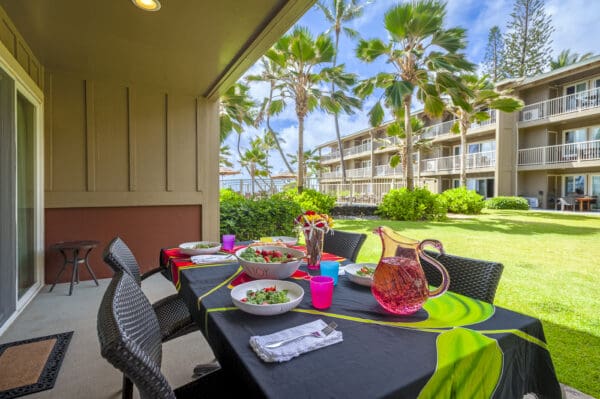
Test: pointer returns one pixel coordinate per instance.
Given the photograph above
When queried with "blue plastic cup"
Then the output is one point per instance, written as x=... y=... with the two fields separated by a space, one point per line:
x=331 y=269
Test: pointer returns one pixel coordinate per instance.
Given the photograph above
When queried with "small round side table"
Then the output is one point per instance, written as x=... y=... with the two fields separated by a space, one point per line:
x=80 y=251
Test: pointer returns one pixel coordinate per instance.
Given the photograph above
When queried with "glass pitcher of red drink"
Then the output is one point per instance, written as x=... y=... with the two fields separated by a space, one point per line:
x=399 y=283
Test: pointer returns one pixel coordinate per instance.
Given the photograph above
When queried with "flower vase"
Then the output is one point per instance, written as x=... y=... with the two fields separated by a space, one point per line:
x=314 y=248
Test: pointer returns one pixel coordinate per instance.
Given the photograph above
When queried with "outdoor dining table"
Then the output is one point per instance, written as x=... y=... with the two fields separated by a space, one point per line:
x=454 y=347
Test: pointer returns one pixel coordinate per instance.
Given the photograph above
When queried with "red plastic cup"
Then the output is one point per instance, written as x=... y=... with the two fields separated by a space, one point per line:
x=321 y=291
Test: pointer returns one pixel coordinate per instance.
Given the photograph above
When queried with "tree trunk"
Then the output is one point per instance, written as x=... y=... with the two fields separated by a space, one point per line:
x=300 y=182
x=408 y=172
x=463 y=152
x=272 y=133
x=335 y=116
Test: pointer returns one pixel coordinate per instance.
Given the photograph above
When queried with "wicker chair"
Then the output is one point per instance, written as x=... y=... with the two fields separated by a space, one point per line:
x=343 y=243
x=130 y=339
x=471 y=277
x=173 y=315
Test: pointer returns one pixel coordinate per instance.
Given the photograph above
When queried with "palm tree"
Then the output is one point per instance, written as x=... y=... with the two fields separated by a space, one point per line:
x=424 y=56
x=398 y=131
x=565 y=58
x=299 y=56
x=274 y=103
x=224 y=154
x=236 y=109
x=312 y=162
x=255 y=161
x=337 y=14
x=470 y=106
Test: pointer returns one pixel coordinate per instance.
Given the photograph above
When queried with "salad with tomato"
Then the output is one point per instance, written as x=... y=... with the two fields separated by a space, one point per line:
x=266 y=256
x=266 y=296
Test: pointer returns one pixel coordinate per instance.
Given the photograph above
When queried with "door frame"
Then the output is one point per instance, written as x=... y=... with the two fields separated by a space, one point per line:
x=25 y=86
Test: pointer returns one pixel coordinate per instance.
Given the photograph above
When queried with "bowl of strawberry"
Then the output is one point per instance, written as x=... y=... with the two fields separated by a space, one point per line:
x=269 y=261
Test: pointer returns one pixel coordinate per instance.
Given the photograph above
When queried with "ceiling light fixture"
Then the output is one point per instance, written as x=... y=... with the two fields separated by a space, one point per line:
x=147 y=5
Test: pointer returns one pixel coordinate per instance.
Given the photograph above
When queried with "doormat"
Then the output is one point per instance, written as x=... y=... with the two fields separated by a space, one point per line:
x=31 y=365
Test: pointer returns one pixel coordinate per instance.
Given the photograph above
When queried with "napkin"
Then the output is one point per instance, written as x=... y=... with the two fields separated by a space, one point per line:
x=296 y=348
x=217 y=258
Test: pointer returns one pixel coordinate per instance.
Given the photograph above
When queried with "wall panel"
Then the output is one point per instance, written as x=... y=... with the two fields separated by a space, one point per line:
x=69 y=166
x=149 y=123
x=181 y=144
x=111 y=130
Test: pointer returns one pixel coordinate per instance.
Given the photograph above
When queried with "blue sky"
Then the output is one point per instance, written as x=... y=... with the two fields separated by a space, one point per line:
x=576 y=28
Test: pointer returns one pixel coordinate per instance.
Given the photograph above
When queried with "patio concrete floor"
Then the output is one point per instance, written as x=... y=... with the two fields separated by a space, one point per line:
x=84 y=373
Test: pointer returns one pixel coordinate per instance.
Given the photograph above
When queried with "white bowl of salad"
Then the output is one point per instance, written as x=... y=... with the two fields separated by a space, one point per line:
x=361 y=273
x=267 y=297
x=200 y=247
x=269 y=261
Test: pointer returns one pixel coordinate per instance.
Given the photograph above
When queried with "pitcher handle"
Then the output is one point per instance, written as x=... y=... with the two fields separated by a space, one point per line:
x=445 y=276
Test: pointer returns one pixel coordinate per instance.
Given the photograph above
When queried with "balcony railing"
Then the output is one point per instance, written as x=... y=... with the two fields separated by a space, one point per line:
x=366 y=147
x=332 y=175
x=477 y=160
x=562 y=153
x=330 y=156
x=443 y=128
x=490 y=121
x=387 y=170
x=358 y=172
x=561 y=105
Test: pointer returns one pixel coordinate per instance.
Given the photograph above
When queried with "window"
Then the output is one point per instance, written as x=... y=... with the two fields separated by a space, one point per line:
x=484 y=187
x=574 y=185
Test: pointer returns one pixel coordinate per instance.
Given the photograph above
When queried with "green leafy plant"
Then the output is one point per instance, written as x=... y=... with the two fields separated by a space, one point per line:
x=309 y=199
x=419 y=204
x=227 y=194
x=251 y=219
x=507 y=203
x=461 y=200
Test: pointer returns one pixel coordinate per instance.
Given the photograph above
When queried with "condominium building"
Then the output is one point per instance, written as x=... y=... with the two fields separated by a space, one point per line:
x=548 y=150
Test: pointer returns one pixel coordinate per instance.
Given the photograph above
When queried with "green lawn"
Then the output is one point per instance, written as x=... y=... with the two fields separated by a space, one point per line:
x=551 y=263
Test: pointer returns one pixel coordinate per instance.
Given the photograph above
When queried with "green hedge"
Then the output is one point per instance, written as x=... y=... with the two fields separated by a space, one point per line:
x=461 y=200
x=420 y=204
x=309 y=200
x=250 y=219
x=507 y=203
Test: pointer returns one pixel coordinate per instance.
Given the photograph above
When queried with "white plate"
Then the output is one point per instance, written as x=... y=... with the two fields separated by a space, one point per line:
x=282 y=239
x=295 y=293
x=351 y=270
x=205 y=259
x=188 y=248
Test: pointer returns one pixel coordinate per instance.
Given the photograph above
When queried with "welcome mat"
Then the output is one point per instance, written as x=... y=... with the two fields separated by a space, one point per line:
x=31 y=365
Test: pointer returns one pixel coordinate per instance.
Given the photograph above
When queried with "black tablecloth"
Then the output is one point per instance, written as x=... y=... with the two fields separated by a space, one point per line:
x=497 y=353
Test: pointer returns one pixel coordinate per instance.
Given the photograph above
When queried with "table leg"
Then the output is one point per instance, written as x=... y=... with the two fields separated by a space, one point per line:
x=87 y=265
x=75 y=256
x=64 y=266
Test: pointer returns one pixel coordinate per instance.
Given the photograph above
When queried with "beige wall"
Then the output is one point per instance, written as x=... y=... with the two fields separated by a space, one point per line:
x=532 y=182
x=535 y=94
x=533 y=137
x=14 y=42
x=112 y=144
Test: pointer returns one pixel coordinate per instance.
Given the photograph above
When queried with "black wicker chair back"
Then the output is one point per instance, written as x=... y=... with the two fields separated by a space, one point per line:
x=130 y=337
x=119 y=257
x=343 y=243
x=471 y=277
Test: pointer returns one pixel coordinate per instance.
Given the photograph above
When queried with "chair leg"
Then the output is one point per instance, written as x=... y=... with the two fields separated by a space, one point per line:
x=75 y=254
x=127 y=388
x=87 y=265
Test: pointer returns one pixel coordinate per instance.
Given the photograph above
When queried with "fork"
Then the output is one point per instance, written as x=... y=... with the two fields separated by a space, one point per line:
x=328 y=329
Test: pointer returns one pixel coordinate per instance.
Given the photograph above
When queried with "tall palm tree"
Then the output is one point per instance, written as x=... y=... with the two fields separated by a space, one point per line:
x=300 y=55
x=566 y=58
x=479 y=96
x=255 y=161
x=337 y=14
x=398 y=131
x=236 y=109
x=425 y=56
x=274 y=103
x=312 y=162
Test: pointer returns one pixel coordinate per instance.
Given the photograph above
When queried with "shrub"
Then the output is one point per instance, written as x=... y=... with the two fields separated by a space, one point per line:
x=419 y=204
x=227 y=194
x=461 y=200
x=250 y=219
x=309 y=200
x=507 y=203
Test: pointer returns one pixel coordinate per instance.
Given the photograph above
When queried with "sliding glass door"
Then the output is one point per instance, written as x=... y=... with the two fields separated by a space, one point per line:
x=25 y=195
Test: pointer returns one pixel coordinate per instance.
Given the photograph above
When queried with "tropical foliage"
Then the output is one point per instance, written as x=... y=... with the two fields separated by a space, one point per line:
x=338 y=13
x=507 y=203
x=300 y=56
x=424 y=56
x=418 y=204
x=461 y=200
x=236 y=109
x=527 y=43
x=471 y=104
x=255 y=160
x=566 y=58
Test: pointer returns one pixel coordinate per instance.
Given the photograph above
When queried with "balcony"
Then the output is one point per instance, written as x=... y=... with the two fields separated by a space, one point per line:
x=358 y=173
x=334 y=155
x=387 y=171
x=565 y=105
x=586 y=151
x=443 y=129
x=357 y=150
x=333 y=175
x=446 y=165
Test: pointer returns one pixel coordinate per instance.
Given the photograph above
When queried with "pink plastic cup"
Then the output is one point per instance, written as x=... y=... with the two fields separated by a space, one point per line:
x=321 y=291
x=228 y=241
